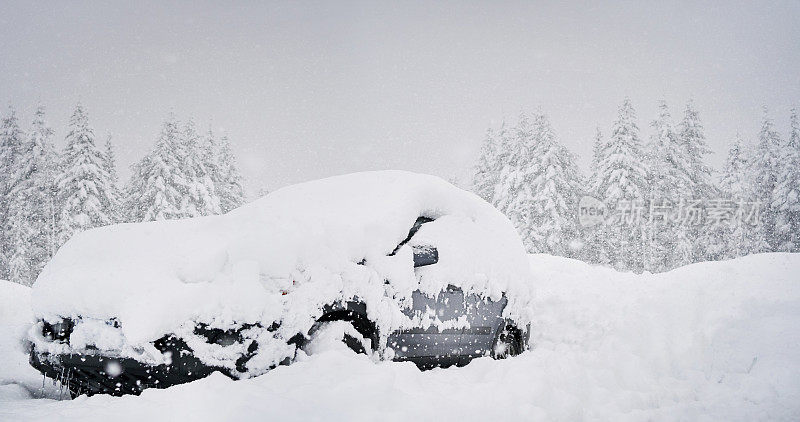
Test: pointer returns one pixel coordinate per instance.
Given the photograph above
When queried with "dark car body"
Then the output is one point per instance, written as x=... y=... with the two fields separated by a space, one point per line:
x=427 y=347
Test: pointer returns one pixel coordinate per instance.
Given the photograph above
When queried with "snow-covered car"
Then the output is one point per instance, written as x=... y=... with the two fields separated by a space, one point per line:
x=406 y=266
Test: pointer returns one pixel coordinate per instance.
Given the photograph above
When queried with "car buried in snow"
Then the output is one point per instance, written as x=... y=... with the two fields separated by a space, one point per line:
x=397 y=265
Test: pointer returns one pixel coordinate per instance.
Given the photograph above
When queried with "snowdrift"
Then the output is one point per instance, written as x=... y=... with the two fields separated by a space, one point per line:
x=15 y=319
x=17 y=378
x=281 y=258
x=710 y=341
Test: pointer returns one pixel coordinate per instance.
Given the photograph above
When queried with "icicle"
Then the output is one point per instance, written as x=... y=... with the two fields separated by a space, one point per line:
x=61 y=384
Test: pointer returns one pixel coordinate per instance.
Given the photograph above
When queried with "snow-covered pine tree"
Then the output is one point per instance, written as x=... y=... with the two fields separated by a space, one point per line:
x=230 y=189
x=621 y=176
x=694 y=144
x=485 y=179
x=733 y=187
x=740 y=238
x=703 y=244
x=157 y=187
x=555 y=182
x=621 y=171
x=53 y=159
x=536 y=186
x=19 y=266
x=734 y=181
x=765 y=168
x=33 y=204
x=669 y=243
x=786 y=200
x=597 y=155
x=85 y=191
x=210 y=155
x=513 y=193
x=210 y=150
x=596 y=243
x=504 y=160
x=11 y=146
x=668 y=161
x=110 y=166
x=202 y=198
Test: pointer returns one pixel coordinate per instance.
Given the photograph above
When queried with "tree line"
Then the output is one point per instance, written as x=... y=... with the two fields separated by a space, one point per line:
x=666 y=206
x=47 y=196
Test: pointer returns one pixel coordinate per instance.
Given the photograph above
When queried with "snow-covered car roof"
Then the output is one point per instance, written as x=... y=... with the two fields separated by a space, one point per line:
x=284 y=256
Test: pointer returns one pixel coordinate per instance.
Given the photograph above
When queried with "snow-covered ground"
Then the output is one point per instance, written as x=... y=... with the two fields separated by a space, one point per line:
x=710 y=341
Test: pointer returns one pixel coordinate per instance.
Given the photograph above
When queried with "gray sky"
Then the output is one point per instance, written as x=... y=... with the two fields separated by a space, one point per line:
x=321 y=88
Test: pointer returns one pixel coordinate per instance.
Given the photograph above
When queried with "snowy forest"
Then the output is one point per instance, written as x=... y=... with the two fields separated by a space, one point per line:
x=47 y=196
x=674 y=209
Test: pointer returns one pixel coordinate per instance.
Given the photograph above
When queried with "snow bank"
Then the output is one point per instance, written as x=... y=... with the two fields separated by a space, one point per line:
x=711 y=341
x=717 y=338
x=319 y=242
x=15 y=319
x=16 y=375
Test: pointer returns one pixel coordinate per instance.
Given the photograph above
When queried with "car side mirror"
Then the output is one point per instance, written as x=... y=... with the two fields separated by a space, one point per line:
x=425 y=255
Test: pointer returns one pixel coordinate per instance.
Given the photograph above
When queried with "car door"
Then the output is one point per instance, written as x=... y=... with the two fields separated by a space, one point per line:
x=483 y=316
x=437 y=339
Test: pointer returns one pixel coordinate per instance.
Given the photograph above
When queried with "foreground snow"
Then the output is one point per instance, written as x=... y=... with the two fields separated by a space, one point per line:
x=710 y=341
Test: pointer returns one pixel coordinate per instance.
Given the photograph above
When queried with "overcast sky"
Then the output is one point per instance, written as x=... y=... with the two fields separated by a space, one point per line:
x=311 y=89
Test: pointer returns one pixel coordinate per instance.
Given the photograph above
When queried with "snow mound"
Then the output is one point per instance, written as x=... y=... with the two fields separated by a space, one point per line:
x=285 y=256
x=15 y=319
x=718 y=339
x=16 y=374
x=710 y=341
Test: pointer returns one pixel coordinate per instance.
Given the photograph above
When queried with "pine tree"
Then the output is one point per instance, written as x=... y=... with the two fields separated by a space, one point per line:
x=621 y=171
x=741 y=237
x=703 y=241
x=695 y=148
x=501 y=164
x=486 y=175
x=622 y=177
x=157 y=187
x=596 y=246
x=230 y=189
x=670 y=243
x=32 y=209
x=53 y=161
x=764 y=169
x=85 y=191
x=201 y=198
x=734 y=180
x=735 y=187
x=110 y=166
x=701 y=245
x=513 y=194
x=11 y=148
x=536 y=182
x=597 y=155
x=19 y=267
x=210 y=157
x=786 y=200
x=552 y=224
x=667 y=159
